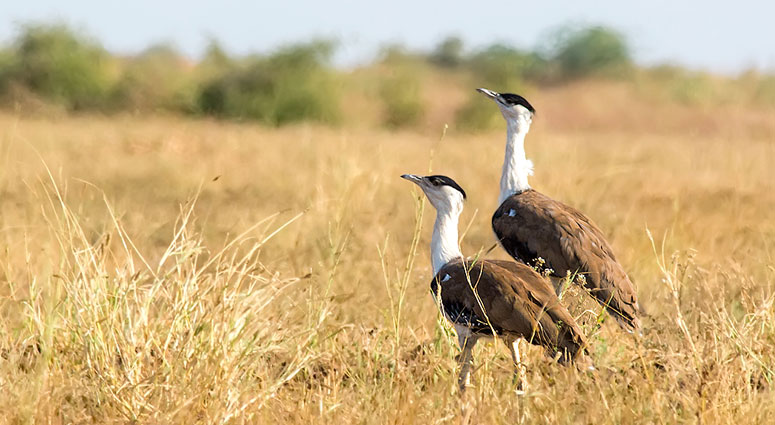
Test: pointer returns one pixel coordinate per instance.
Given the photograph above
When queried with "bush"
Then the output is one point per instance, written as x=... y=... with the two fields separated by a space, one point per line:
x=591 y=51
x=294 y=84
x=62 y=66
x=158 y=78
x=479 y=113
x=765 y=90
x=402 y=99
x=504 y=67
x=395 y=55
x=448 y=53
x=686 y=87
x=7 y=68
x=501 y=68
x=216 y=62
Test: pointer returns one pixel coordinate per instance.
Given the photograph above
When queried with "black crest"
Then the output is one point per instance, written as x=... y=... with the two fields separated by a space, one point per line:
x=515 y=99
x=438 y=180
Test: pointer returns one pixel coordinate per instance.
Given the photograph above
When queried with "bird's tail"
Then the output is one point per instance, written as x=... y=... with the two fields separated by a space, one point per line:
x=628 y=322
x=626 y=313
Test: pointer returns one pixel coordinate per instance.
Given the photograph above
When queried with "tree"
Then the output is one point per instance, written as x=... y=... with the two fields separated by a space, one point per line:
x=448 y=53
x=61 y=65
x=591 y=51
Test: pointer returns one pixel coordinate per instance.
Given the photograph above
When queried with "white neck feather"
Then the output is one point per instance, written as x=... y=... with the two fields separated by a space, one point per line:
x=516 y=167
x=444 y=243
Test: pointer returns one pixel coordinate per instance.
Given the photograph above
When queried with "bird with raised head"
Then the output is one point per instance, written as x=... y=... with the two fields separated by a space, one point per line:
x=539 y=231
x=483 y=298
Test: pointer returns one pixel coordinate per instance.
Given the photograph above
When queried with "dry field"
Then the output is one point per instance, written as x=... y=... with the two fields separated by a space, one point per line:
x=162 y=270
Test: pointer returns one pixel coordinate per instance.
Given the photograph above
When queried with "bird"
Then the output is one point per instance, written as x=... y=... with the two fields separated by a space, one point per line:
x=483 y=298
x=550 y=235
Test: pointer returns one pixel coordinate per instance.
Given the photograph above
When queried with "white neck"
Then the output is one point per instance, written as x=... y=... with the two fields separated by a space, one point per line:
x=516 y=168
x=444 y=244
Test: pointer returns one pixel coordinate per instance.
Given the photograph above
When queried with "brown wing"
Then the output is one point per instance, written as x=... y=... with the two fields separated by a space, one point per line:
x=510 y=300
x=543 y=292
x=531 y=225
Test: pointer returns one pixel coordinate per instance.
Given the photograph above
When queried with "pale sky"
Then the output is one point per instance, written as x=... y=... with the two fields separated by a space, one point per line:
x=726 y=36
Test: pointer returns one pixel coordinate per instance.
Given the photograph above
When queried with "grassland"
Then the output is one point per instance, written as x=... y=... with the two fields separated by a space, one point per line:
x=164 y=270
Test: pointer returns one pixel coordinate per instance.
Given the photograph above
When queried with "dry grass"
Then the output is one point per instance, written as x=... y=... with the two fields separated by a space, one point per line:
x=286 y=294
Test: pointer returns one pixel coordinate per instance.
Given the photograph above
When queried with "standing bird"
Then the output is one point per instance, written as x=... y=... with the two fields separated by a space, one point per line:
x=542 y=232
x=485 y=297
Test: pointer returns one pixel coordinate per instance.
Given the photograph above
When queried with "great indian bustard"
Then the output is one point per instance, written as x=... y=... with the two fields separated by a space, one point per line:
x=482 y=297
x=535 y=228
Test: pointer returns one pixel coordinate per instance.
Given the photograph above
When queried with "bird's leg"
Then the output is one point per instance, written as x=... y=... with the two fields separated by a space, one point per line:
x=558 y=283
x=467 y=344
x=521 y=370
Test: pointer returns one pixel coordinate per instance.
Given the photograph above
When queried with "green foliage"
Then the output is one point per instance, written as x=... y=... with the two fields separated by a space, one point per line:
x=215 y=62
x=7 y=65
x=692 y=88
x=448 y=53
x=503 y=67
x=591 y=51
x=479 y=113
x=401 y=97
x=62 y=66
x=397 y=55
x=56 y=65
x=158 y=78
x=683 y=86
x=764 y=92
x=476 y=114
x=293 y=84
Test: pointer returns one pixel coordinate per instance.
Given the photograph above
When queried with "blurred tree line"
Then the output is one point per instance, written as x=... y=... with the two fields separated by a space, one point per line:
x=55 y=64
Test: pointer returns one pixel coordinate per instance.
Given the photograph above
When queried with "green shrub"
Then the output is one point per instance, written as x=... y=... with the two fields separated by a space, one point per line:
x=63 y=66
x=684 y=86
x=448 y=53
x=765 y=90
x=293 y=84
x=216 y=62
x=397 y=55
x=503 y=67
x=401 y=97
x=591 y=51
x=692 y=88
x=158 y=78
x=479 y=113
x=8 y=64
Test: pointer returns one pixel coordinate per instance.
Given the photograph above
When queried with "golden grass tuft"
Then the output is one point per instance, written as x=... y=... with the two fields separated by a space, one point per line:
x=176 y=271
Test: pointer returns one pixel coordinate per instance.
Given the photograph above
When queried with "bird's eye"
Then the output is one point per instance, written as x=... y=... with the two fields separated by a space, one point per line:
x=435 y=182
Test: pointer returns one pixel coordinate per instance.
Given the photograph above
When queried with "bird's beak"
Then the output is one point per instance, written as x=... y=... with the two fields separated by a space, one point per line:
x=412 y=178
x=489 y=93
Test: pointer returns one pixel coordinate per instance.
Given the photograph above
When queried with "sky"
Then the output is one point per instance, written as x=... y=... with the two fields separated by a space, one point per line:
x=719 y=36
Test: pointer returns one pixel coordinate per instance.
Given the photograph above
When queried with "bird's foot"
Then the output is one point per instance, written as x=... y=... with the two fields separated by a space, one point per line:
x=463 y=386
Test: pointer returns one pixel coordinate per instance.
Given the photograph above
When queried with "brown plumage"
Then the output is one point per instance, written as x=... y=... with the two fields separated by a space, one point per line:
x=485 y=297
x=531 y=225
x=513 y=301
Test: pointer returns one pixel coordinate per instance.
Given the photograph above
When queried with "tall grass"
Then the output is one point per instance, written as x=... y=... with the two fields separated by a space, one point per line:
x=124 y=300
x=118 y=335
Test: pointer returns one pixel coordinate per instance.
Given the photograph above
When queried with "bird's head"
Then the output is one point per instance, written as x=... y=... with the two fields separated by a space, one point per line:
x=444 y=193
x=514 y=107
